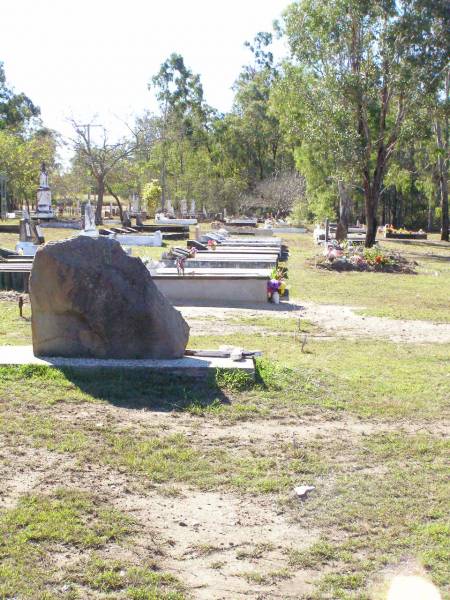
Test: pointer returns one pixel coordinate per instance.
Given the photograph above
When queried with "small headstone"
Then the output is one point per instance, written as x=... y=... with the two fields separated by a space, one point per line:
x=28 y=237
x=25 y=234
x=158 y=238
x=126 y=221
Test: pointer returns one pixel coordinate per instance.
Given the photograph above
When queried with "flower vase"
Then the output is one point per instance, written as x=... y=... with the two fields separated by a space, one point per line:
x=275 y=297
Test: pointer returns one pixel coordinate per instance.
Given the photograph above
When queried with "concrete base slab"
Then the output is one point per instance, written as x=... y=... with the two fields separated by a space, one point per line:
x=190 y=366
x=232 y=289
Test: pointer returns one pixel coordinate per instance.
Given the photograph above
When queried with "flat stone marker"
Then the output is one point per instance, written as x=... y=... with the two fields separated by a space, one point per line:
x=191 y=366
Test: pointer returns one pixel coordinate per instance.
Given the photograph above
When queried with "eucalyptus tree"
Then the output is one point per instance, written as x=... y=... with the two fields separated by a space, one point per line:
x=184 y=118
x=442 y=133
x=360 y=68
x=256 y=127
x=17 y=111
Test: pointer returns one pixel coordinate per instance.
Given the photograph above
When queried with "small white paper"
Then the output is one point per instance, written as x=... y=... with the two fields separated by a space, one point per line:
x=302 y=490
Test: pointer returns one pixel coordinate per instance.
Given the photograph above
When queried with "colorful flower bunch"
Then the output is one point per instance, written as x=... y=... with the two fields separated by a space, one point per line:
x=277 y=282
x=212 y=244
x=375 y=257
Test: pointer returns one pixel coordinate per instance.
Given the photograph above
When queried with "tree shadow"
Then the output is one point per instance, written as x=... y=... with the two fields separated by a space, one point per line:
x=270 y=307
x=419 y=243
x=430 y=257
x=143 y=389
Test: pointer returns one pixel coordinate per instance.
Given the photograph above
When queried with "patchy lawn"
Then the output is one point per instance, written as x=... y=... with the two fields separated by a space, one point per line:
x=135 y=486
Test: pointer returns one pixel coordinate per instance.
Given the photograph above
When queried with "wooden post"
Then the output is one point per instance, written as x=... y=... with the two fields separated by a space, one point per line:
x=327 y=230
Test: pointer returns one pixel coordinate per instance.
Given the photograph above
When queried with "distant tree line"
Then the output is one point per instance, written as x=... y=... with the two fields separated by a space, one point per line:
x=352 y=125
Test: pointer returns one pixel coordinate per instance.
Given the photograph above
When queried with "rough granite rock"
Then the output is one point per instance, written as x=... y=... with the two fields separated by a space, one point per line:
x=90 y=299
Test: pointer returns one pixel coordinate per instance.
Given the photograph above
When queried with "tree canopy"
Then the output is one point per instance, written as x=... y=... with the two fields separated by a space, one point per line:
x=353 y=124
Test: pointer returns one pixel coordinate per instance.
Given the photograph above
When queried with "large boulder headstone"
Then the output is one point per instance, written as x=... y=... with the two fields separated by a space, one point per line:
x=90 y=299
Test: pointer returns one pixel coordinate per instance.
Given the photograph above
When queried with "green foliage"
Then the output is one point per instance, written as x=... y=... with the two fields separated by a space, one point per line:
x=21 y=158
x=151 y=195
x=346 y=99
x=16 y=110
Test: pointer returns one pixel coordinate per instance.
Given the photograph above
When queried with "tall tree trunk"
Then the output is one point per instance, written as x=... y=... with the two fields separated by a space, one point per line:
x=443 y=181
x=163 y=156
x=117 y=199
x=429 y=216
x=344 y=211
x=372 y=193
x=442 y=141
x=371 y=205
x=100 y=194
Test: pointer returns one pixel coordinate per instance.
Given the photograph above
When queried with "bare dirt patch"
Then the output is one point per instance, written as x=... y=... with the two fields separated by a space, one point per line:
x=209 y=539
x=221 y=544
x=334 y=320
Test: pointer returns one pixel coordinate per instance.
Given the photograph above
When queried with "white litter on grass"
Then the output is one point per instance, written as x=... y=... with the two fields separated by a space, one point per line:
x=303 y=490
x=236 y=354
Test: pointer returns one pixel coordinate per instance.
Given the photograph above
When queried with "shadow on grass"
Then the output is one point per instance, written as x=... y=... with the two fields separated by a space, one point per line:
x=140 y=389
x=134 y=388
x=430 y=257
x=420 y=243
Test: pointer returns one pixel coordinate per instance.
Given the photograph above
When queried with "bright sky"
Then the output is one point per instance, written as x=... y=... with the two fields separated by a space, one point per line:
x=92 y=59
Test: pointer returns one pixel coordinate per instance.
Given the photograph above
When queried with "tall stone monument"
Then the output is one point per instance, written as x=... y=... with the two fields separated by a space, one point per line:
x=89 y=221
x=44 y=197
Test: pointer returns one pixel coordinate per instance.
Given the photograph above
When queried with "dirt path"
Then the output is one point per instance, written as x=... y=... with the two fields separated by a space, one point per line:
x=343 y=321
x=334 y=320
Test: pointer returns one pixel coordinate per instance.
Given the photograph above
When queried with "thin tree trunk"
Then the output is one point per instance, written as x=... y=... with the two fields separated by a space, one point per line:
x=100 y=194
x=117 y=199
x=429 y=216
x=344 y=212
